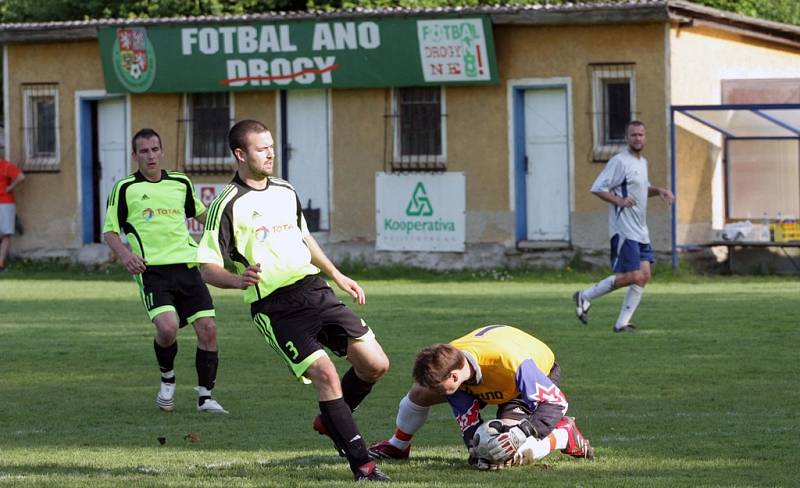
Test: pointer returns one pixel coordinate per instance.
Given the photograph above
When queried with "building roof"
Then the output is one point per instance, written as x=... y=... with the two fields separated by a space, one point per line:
x=608 y=12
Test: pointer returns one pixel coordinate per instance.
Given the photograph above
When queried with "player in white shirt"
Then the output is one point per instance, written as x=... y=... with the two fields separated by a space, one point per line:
x=624 y=184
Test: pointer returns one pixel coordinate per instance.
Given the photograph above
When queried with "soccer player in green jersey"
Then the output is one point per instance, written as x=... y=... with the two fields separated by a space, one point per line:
x=151 y=207
x=257 y=222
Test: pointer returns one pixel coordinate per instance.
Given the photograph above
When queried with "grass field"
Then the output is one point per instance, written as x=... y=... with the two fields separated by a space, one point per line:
x=706 y=394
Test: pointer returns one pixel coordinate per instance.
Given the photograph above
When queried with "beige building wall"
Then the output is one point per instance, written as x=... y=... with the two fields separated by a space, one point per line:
x=477 y=127
x=357 y=152
x=48 y=203
x=477 y=130
x=566 y=51
x=700 y=58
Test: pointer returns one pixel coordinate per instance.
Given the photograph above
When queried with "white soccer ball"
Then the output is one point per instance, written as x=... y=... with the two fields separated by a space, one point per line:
x=136 y=71
x=480 y=440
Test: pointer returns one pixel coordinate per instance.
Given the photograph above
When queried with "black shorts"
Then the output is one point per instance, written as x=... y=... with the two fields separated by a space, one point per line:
x=299 y=319
x=518 y=409
x=177 y=288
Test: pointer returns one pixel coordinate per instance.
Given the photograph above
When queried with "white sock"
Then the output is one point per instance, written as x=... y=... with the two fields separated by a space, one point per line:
x=562 y=436
x=534 y=449
x=601 y=288
x=168 y=375
x=632 y=298
x=203 y=391
x=410 y=418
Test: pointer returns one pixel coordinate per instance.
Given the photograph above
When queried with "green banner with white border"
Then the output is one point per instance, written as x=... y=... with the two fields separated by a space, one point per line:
x=334 y=53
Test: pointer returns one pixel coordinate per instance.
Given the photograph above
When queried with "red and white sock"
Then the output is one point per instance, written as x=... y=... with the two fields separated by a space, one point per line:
x=410 y=418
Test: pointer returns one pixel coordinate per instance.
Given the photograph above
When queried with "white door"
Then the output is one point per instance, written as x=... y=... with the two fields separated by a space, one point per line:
x=111 y=152
x=547 y=173
x=307 y=149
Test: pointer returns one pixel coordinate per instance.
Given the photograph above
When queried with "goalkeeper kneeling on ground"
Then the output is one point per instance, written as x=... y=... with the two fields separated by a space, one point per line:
x=498 y=365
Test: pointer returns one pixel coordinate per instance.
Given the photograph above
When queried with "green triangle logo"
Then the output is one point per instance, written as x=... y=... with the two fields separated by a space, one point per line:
x=420 y=204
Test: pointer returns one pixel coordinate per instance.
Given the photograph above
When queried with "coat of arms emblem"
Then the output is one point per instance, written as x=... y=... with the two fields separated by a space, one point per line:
x=134 y=58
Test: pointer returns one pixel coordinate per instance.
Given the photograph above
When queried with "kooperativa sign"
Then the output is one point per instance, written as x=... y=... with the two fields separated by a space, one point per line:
x=420 y=212
x=341 y=53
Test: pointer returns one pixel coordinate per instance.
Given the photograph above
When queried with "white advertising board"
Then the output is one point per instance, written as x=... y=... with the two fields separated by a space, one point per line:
x=420 y=212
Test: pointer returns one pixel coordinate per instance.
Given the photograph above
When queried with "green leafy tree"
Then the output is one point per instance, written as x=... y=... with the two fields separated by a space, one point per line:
x=787 y=11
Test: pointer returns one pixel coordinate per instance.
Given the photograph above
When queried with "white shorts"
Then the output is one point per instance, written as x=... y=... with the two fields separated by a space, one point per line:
x=8 y=212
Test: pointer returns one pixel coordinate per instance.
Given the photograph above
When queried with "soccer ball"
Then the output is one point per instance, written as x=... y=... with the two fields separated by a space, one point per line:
x=135 y=71
x=480 y=440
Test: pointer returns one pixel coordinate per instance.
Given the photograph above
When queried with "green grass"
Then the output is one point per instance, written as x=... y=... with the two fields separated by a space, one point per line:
x=706 y=395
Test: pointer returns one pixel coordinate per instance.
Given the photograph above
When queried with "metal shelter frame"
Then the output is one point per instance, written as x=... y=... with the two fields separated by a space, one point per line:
x=773 y=127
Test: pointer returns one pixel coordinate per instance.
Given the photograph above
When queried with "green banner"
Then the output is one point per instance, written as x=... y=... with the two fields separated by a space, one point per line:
x=336 y=53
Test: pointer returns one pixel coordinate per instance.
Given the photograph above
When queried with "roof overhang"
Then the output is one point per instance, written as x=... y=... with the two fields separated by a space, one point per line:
x=611 y=12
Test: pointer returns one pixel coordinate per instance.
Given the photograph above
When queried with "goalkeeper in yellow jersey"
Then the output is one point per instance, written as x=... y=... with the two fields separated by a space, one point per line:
x=498 y=365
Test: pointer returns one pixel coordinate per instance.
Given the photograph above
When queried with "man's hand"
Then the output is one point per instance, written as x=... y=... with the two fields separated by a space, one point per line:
x=134 y=264
x=250 y=276
x=666 y=195
x=504 y=446
x=626 y=202
x=351 y=287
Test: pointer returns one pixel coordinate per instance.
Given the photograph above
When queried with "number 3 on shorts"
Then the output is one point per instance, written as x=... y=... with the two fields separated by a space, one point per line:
x=293 y=350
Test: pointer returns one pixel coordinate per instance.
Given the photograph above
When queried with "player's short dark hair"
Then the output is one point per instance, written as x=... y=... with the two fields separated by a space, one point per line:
x=435 y=363
x=237 y=136
x=637 y=123
x=145 y=133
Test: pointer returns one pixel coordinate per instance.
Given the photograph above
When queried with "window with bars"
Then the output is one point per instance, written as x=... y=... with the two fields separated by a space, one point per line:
x=40 y=126
x=613 y=106
x=208 y=118
x=419 y=129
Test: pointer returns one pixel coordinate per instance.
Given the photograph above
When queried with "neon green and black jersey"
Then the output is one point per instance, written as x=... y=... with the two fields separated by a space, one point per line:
x=259 y=226
x=153 y=216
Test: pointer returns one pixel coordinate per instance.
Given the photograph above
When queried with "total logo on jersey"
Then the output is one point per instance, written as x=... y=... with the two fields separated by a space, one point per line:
x=263 y=232
x=149 y=213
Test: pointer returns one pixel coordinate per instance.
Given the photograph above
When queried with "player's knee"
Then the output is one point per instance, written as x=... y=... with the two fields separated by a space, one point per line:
x=206 y=329
x=376 y=369
x=323 y=372
x=166 y=332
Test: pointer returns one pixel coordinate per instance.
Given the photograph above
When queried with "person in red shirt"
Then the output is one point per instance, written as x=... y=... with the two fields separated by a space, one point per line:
x=10 y=177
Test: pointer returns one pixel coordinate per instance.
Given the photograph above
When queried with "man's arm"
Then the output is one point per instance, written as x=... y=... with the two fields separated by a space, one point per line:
x=201 y=218
x=665 y=194
x=133 y=263
x=17 y=181
x=611 y=177
x=609 y=197
x=321 y=261
x=216 y=275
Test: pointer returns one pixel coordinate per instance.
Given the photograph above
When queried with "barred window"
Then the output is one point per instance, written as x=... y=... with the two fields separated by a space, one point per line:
x=613 y=104
x=209 y=116
x=40 y=126
x=419 y=131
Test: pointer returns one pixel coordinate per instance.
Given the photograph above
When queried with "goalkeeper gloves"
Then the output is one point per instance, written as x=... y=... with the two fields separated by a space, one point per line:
x=503 y=447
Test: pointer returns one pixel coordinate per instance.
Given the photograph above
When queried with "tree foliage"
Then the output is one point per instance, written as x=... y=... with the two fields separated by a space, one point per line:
x=787 y=11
